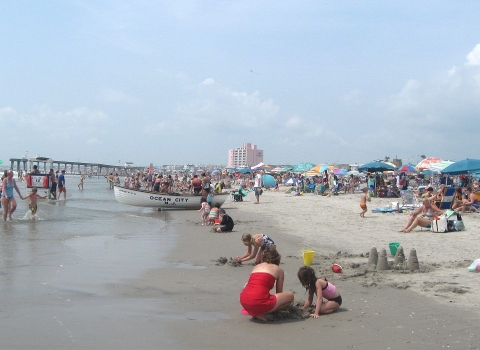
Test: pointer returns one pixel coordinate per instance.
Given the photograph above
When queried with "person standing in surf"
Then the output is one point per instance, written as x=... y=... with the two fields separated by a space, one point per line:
x=9 y=203
x=61 y=185
x=53 y=189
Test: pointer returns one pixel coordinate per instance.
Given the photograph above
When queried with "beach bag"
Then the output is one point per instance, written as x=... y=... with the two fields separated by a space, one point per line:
x=458 y=223
x=442 y=224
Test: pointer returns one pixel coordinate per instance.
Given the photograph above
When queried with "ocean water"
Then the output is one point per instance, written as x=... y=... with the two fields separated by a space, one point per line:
x=61 y=265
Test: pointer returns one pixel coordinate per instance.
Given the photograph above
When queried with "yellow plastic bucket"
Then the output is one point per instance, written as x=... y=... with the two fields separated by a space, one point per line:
x=308 y=257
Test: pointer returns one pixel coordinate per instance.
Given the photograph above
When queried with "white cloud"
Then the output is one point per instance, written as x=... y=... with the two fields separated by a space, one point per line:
x=473 y=57
x=208 y=81
x=7 y=112
x=293 y=122
x=115 y=96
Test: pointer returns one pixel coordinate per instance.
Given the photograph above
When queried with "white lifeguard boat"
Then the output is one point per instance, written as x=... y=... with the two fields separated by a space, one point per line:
x=148 y=199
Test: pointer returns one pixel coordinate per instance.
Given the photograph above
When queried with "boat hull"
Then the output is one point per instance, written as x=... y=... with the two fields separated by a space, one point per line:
x=149 y=199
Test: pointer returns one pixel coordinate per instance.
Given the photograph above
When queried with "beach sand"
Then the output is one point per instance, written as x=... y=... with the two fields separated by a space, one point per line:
x=433 y=307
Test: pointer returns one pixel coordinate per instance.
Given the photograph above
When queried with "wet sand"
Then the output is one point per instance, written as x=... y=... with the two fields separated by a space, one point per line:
x=381 y=310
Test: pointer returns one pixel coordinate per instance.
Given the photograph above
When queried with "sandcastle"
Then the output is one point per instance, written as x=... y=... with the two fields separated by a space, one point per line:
x=399 y=257
x=373 y=257
x=412 y=263
x=382 y=263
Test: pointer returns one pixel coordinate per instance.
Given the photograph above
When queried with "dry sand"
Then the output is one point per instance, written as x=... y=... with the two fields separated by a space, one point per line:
x=432 y=307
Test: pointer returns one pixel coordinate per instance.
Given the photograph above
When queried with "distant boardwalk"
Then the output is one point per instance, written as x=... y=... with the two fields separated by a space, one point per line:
x=45 y=164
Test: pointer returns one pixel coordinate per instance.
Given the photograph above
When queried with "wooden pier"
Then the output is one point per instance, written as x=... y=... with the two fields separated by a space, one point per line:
x=45 y=164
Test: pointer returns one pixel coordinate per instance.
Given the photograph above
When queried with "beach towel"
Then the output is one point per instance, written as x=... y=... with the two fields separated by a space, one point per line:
x=383 y=210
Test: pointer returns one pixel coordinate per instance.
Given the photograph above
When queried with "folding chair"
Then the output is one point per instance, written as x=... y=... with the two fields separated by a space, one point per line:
x=409 y=200
x=447 y=198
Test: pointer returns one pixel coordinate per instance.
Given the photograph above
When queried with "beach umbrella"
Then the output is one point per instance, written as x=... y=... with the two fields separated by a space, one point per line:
x=375 y=166
x=320 y=168
x=409 y=168
x=353 y=172
x=465 y=166
x=440 y=165
x=302 y=167
x=268 y=180
x=215 y=171
x=311 y=173
x=244 y=171
x=427 y=162
x=278 y=170
x=258 y=166
x=390 y=163
x=430 y=172
x=339 y=172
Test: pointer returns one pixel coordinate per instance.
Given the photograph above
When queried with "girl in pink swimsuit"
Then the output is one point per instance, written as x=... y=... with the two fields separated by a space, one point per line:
x=322 y=288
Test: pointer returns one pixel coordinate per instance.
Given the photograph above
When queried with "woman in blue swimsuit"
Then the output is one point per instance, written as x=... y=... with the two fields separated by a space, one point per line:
x=8 y=201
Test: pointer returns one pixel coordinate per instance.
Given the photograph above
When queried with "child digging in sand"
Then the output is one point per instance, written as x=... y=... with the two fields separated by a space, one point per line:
x=322 y=289
x=259 y=242
x=33 y=201
x=363 y=201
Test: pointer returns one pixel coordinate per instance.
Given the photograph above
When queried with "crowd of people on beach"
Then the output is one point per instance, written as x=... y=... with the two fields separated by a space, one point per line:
x=255 y=297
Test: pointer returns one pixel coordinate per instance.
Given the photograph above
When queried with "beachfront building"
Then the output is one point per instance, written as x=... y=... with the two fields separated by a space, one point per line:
x=246 y=156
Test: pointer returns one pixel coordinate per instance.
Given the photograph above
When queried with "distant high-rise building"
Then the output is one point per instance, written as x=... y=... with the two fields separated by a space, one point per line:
x=246 y=156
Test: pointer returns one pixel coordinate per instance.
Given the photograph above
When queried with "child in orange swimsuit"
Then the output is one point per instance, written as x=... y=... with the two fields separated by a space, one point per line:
x=363 y=201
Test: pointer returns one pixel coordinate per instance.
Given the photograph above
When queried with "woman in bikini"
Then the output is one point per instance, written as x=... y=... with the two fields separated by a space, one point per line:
x=422 y=216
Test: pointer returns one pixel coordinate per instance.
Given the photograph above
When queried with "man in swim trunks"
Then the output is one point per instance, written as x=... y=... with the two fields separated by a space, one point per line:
x=53 y=189
x=258 y=185
x=61 y=185
x=196 y=184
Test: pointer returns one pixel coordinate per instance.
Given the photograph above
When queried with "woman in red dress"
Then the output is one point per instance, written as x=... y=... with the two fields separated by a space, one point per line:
x=255 y=297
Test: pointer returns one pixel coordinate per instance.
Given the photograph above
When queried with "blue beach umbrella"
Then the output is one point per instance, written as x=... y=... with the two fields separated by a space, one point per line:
x=375 y=166
x=465 y=166
x=302 y=167
x=430 y=172
x=268 y=180
x=244 y=171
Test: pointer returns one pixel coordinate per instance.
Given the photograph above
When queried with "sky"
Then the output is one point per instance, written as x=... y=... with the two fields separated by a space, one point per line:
x=177 y=82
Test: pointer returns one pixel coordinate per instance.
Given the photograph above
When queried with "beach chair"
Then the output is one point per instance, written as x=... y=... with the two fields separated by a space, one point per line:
x=310 y=188
x=409 y=200
x=447 y=199
x=321 y=189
